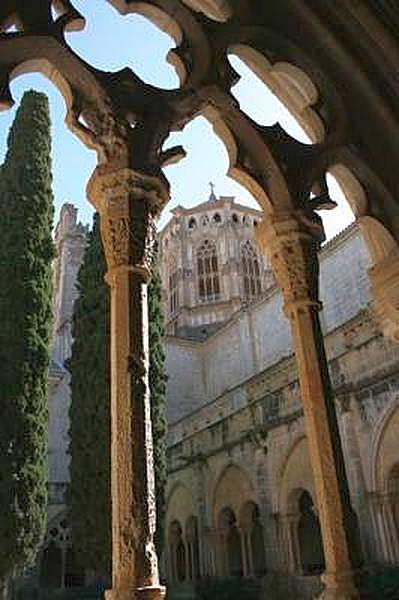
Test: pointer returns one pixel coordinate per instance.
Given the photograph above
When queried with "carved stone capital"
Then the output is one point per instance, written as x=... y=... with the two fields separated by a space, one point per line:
x=129 y=204
x=292 y=251
x=384 y=279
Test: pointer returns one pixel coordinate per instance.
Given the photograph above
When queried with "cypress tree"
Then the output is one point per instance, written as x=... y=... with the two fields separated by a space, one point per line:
x=26 y=252
x=89 y=489
x=157 y=391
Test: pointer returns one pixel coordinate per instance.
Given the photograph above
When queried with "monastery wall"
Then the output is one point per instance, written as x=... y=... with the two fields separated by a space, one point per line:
x=258 y=336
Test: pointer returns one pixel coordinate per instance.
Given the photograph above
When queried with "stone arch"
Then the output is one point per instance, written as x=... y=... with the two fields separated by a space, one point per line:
x=311 y=553
x=177 y=552
x=385 y=455
x=179 y=504
x=296 y=474
x=208 y=271
x=69 y=77
x=290 y=84
x=179 y=512
x=59 y=565
x=173 y=285
x=230 y=548
x=193 y=550
x=253 y=539
x=251 y=267
x=233 y=488
x=385 y=487
x=353 y=190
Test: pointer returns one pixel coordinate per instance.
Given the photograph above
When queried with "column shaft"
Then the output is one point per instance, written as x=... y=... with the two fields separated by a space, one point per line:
x=128 y=202
x=293 y=253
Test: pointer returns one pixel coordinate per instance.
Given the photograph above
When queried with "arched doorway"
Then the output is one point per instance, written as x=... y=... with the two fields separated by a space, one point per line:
x=74 y=574
x=309 y=537
x=393 y=490
x=386 y=497
x=254 y=543
x=51 y=567
x=59 y=566
x=177 y=552
x=231 y=543
x=192 y=541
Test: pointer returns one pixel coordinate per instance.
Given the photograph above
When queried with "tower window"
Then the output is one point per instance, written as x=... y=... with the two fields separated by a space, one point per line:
x=251 y=271
x=192 y=224
x=208 y=272
x=173 y=289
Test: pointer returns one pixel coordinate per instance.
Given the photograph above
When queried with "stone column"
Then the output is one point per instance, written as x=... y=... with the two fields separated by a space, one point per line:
x=390 y=529
x=288 y=533
x=355 y=473
x=380 y=528
x=128 y=203
x=292 y=250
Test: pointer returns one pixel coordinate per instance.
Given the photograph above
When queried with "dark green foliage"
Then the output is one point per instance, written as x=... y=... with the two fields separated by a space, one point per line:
x=26 y=252
x=382 y=584
x=89 y=490
x=158 y=391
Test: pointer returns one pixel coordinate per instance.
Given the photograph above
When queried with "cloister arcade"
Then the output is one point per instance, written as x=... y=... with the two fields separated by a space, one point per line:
x=332 y=65
x=250 y=526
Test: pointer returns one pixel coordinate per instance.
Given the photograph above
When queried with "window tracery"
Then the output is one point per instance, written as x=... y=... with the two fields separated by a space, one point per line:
x=173 y=288
x=208 y=272
x=217 y=218
x=251 y=271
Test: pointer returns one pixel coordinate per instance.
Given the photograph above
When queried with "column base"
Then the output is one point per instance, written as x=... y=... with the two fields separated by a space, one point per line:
x=154 y=592
x=339 y=587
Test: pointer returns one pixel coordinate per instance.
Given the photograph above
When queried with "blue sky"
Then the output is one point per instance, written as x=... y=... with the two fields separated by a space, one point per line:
x=111 y=42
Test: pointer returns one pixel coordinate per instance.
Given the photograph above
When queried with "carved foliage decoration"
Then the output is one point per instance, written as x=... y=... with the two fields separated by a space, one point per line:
x=129 y=204
x=292 y=252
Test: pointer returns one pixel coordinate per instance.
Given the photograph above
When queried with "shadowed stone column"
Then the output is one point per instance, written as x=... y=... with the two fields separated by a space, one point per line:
x=292 y=249
x=128 y=203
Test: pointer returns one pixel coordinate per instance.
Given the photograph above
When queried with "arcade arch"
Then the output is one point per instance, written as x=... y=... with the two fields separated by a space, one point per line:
x=59 y=566
x=385 y=497
x=300 y=528
x=241 y=544
x=183 y=546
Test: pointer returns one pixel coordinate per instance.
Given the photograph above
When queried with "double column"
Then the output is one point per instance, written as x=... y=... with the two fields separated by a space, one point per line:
x=128 y=204
x=292 y=250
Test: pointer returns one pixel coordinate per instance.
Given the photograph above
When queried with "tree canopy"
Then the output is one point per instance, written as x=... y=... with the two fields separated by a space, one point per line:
x=89 y=495
x=26 y=252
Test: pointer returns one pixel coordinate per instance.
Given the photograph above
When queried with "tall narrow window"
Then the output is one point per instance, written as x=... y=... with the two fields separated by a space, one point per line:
x=173 y=289
x=251 y=271
x=208 y=272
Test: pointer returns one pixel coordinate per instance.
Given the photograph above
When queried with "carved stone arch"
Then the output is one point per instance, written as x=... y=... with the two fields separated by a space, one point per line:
x=233 y=487
x=290 y=84
x=384 y=454
x=251 y=163
x=179 y=504
x=352 y=189
x=365 y=191
x=59 y=565
x=218 y=10
x=89 y=110
x=192 y=58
